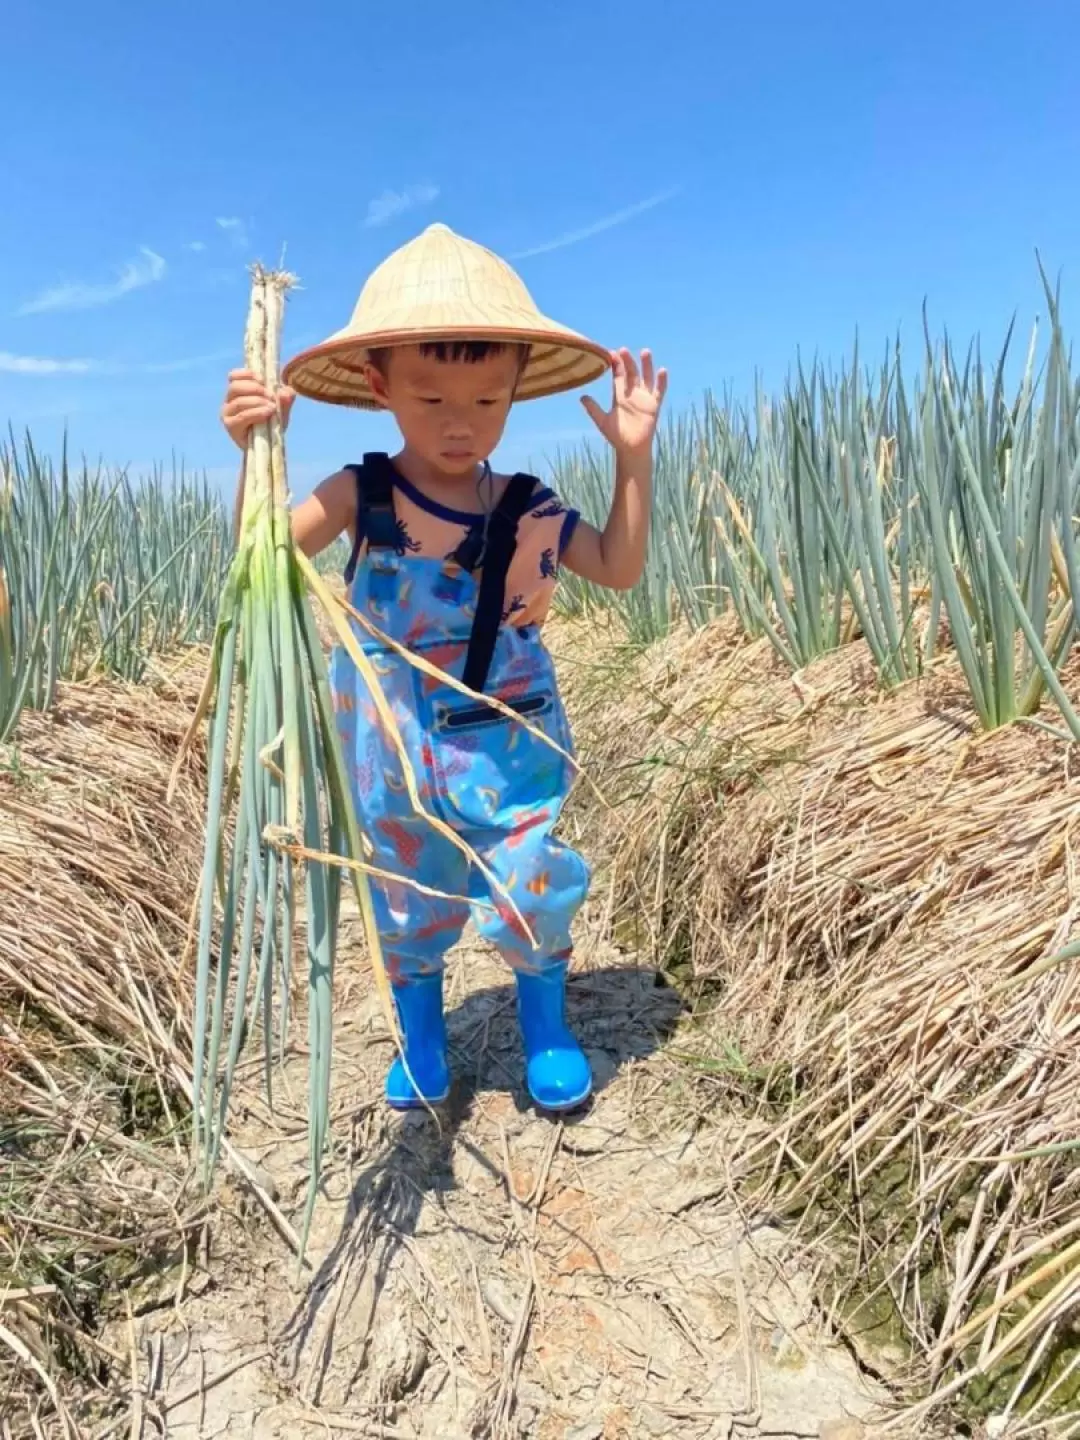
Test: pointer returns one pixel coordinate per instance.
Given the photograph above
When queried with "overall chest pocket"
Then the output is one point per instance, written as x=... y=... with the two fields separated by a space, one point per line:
x=490 y=771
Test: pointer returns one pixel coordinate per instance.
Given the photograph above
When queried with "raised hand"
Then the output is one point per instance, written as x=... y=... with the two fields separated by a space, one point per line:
x=636 y=398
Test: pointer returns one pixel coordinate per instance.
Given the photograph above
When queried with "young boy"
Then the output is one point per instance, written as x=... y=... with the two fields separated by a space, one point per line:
x=458 y=566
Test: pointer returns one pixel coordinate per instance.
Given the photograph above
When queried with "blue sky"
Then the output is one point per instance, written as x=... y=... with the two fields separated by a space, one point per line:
x=723 y=186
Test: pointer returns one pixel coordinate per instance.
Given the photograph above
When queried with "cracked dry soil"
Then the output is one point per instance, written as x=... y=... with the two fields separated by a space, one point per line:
x=499 y=1273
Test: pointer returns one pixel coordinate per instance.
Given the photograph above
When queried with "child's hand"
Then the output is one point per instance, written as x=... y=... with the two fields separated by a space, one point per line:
x=248 y=403
x=630 y=424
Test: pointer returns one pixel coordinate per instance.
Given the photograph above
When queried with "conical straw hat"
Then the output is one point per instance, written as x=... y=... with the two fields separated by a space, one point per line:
x=441 y=286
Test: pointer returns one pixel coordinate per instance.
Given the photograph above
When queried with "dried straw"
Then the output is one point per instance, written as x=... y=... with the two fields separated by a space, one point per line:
x=887 y=900
x=96 y=873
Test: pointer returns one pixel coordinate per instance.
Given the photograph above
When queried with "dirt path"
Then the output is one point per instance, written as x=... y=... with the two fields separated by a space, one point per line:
x=508 y=1275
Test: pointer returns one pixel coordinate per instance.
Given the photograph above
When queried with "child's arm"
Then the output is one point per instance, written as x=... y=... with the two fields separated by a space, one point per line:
x=328 y=512
x=331 y=509
x=615 y=556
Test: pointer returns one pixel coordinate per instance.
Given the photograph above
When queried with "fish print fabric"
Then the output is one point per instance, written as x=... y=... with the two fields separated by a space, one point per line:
x=496 y=785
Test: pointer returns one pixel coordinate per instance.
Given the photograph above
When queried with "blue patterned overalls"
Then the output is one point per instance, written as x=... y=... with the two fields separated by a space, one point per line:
x=499 y=787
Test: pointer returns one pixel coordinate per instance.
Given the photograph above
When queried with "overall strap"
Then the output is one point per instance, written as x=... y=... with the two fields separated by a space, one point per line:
x=498 y=553
x=375 y=520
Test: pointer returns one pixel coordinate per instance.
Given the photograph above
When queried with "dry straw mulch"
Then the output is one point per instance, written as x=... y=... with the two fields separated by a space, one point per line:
x=96 y=884
x=879 y=894
x=884 y=899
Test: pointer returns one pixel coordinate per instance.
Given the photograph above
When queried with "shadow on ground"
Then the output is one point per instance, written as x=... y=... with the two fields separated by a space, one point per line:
x=621 y=1014
x=494 y=1273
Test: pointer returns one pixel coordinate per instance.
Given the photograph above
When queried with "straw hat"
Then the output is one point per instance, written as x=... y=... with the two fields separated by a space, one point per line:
x=441 y=286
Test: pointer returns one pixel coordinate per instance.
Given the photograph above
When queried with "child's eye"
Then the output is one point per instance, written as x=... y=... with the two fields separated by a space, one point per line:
x=430 y=400
x=487 y=402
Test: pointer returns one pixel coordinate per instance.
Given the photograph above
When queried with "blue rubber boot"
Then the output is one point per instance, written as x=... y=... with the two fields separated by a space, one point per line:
x=557 y=1071
x=419 y=1004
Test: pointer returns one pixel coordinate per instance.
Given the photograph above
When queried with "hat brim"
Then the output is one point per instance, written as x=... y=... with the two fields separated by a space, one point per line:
x=333 y=371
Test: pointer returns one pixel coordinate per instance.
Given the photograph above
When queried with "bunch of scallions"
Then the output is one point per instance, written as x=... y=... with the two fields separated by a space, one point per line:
x=279 y=806
x=279 y=811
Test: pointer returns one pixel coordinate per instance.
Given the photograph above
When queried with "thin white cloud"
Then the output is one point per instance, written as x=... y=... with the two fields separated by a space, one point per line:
x=41 y=365
x=609 y=222
x=392 y=203
x=196 y=246
x=37 y=365
x=147 y=269
x=236 y=230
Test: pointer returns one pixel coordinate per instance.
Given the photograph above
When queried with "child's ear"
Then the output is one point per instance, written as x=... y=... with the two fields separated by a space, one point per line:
x=376 y=383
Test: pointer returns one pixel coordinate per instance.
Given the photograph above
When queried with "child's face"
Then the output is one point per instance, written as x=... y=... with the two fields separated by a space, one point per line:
x=450 y=412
